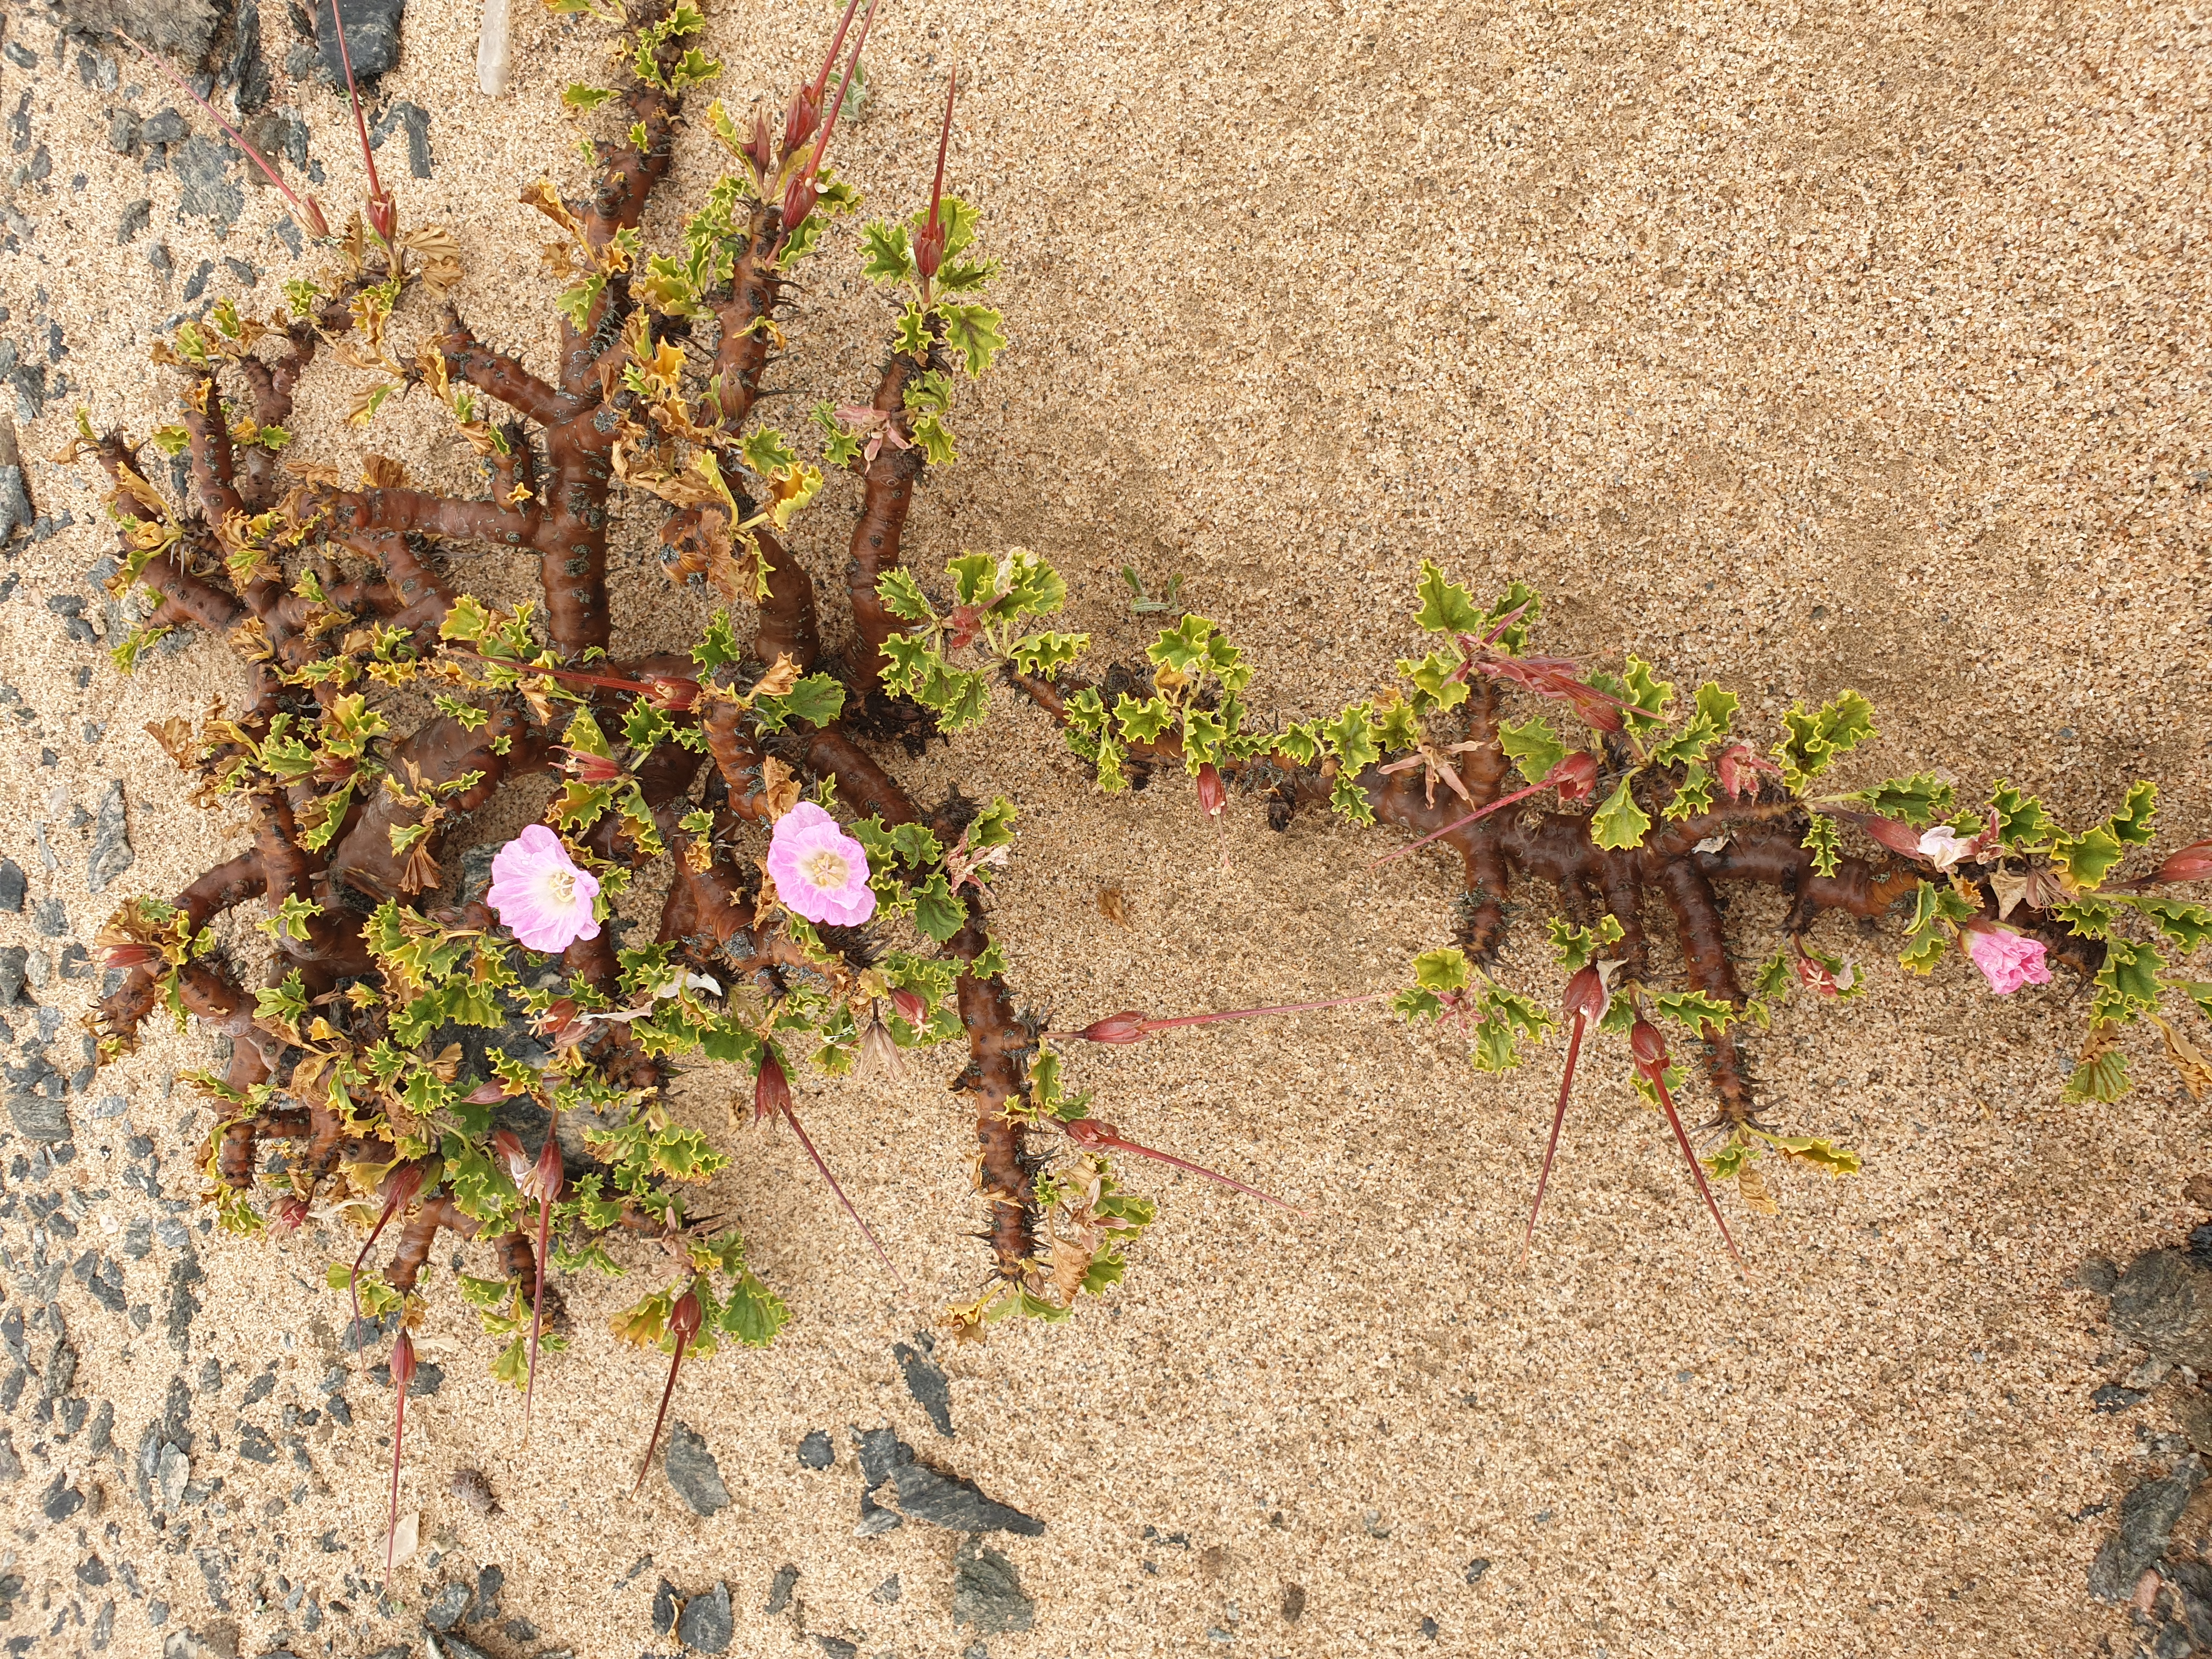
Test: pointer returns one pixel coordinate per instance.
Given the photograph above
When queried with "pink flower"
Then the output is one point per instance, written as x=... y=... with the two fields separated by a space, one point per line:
x=2007 y=959
x=820 y=871
x=539 y=893
x=1943 y=846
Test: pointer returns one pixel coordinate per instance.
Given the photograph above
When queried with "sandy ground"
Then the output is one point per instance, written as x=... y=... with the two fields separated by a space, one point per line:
x=1795 y=347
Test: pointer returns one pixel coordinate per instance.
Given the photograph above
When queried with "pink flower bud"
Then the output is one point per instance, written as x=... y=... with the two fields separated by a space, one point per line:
x=1090 y=1133
x=547 y=1180
x=486 y=1094
x=1814 y=974
x=587 y=768
x=508 y=1148
x=911 y=1008
x=291 y=1213
x=1576 y=776
x=929 y=248
x=2008 y=960
x=2192 y=863
x=1211 y=797
x=316 y=222
x=1127 y=1026
x=1586 y=997
x=686 y=1316
x=1649 y=1049
x=1897 y=837
x=384 y=217
x=403 y=1362
x=771 y=1088
x=759 y=148
x=800 y=121
x=673 y=695
x=798 y=199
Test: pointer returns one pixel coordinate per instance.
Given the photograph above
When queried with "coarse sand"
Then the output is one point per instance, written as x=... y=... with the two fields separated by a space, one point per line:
x=1794 y=347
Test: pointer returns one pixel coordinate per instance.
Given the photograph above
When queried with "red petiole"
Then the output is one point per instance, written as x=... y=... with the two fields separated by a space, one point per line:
x=309 y=213
x=1649 y=1049
x=683 y=1320
x=406 y=1183
x=1130 y=1026
x=403 y=1373
x=1094 y=1135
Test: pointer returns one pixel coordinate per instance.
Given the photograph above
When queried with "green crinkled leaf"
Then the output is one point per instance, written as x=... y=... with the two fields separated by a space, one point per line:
x=1348 y=799
x=1397 y=727
x=902 y=597
x=754 y=1313
x=886 y=254
x=1576 y=947
x=1731 y=1160
x=2086 y=859
x=2087 y=918
x=1621 y=822
x=1432 y=679
x=1143 y=722
x=1350 y=738
x=1647 y=697
x=1443 y=971
x=1532 y=746
x=1815 y=739
x=2198 y=991
x=976 y=332
x=1823 y=842
x=2189 y=926
x=2132 y=822
x=936 y=912
x=582 y=99
x=718 y=645
x=1692 y=795
x=2021 y=823
x=1415 y=1005
x=818 y=699
x=1696 y=1009
x=1446 y=607
x=2128 y=983
x=1917 y=800
x=767 y=452
x=1046 y=654
x=1506 y=1018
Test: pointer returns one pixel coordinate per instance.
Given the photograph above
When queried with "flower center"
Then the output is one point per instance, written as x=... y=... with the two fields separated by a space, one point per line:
x=561 y=886
x=826 y=870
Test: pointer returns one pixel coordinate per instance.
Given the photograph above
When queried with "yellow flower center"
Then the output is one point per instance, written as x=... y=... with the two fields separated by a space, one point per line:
x=826 y=870
x=561 y=884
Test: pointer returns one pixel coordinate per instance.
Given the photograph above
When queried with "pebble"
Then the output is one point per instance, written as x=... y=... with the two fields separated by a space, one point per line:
x=986 y=1595
x=927 y=1382
x=413 y=119
x=467 y=1484
x=663 y=1607
x=692 y=1471
x=815 y=1452
x=780 y=1587
x=705 y=1625
x=485 y=1606
x=446 y=1608
x=111 y=839
x=11 y=886
x=372 y=39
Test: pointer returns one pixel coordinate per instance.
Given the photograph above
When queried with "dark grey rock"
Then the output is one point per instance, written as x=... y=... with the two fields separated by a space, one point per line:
x=205 y=188
x=427 y=1380
x=14 y=969
x=158 y=256
x=957 y=1505
x=184 y=29
x=102 y=1432
x=663 y=1607
x=164 y=127
x=16 y=513
x=244 y=273
x=51 y=917
x=450 y=1646
x=413 y=119
x=183 y=1306
x=92 y=1572
x=2113 y=1398
x=522 y=1630
x=691 y=1469
x=254 y=1444
x=779 y=1588
x=2164 y=1301
x=1476 y=1568
x=39 y=1113
x=1294 y=1603
x=2098 y=1274
x=19 y=55
x=887 y=1592
x=372 y=39
x=11 y=1467
x=61 y=1500
x=926 y=1381
x=837 y=1647
x=484 y=1607
x=446 y=1608
x=815 y=1452
x=111 y=839
x=705 y=1625
x=11 y=886
x=2147 y=1518
x=123 y=131
x=247 y=73
x=987 y=1596
x=875 y=1519
x=881 y=1452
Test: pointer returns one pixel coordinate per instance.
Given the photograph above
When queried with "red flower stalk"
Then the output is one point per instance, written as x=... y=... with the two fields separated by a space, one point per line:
x=1130 y=1026
x=1554 y=677
x=929 y=244
x=1096 y=1136
x=309 y=213
x=400 y=1191
x=683 y=1320
x=800 y=197
x=1585 y=1002
x=1649 y=1049
x=383 y=211
x=771 y=1098
x=403 y=1373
